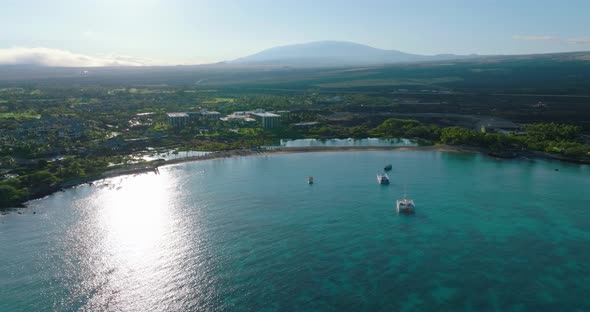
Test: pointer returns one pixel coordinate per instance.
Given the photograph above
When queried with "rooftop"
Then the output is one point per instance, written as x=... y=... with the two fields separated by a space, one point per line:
x=177 y=115
x=265 y=114
x=233 y=116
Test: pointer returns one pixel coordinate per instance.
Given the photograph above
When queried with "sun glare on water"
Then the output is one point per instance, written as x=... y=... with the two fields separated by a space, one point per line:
x=136 y=214
x=137 y=240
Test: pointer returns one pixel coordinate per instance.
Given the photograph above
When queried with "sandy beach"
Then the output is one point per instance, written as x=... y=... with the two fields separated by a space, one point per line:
x=151 y=166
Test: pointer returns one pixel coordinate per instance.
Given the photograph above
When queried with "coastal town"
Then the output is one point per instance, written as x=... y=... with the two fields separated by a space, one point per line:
x=50 y=140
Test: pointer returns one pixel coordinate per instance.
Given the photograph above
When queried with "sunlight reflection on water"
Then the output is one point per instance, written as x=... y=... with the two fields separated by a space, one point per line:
x=138 y=250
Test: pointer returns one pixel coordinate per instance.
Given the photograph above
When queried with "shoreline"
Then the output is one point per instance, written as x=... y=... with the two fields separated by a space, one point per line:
x=312 y=149
x=155 y=164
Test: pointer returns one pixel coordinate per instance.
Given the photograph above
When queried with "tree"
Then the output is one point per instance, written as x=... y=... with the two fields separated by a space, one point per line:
x=11 y=196
x=459 y=135
x=394 y=127
x=41 y=179
x=552 y=132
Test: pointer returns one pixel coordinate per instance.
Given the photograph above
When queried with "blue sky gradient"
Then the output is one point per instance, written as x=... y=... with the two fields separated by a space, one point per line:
x=184 y=31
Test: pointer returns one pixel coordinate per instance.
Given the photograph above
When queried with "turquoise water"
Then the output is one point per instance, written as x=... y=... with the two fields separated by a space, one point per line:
x=249 y=234
x=348 y=142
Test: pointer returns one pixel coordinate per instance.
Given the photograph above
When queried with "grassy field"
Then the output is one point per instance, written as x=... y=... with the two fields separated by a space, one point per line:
x=218 y=100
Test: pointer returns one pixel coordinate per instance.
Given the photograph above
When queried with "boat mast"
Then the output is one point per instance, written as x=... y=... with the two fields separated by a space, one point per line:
x=405 y=191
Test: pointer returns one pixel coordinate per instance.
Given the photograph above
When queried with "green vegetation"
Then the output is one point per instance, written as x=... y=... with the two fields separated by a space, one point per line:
x=218 y=100
x=559 y=139
x=11 y=196
x=46 y=177
x=407 y=128
x=545 y=137
x=552 y=132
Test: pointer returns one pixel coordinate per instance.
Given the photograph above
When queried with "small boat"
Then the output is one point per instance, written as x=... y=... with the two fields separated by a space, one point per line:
x=405 y=205
x=383 y=178
x=310 y=180
x=388 y=167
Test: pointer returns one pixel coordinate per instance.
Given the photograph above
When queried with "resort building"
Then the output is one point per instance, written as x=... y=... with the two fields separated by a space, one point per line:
x=266 y=119
x=210 y=114
x=238 y=118
x=178 y=120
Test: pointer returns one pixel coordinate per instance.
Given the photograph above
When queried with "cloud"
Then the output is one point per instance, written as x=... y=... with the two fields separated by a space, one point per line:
x=578 y=40
x=56 y=57
x=570 y=41
x=533 y=38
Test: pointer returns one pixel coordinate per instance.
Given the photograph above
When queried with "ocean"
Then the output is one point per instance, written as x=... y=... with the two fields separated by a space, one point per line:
x=249 y=234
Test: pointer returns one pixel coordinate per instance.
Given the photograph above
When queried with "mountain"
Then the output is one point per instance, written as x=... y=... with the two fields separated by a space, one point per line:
x=337 y=53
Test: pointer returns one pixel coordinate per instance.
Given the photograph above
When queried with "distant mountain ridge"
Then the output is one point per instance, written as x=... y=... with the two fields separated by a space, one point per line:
x=236 y=73
x=327 y=53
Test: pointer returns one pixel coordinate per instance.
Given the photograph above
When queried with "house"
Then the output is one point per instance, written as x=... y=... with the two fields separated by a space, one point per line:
x=497 y=125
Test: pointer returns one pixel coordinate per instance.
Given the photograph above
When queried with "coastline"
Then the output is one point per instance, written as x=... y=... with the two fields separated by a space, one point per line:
x=153 y=166
x=311 y=149
x=436 y=147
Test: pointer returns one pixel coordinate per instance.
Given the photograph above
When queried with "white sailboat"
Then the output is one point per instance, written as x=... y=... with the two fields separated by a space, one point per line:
x=405 y=205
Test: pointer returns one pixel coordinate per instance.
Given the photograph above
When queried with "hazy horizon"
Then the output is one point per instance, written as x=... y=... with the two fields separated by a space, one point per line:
x=155 y=32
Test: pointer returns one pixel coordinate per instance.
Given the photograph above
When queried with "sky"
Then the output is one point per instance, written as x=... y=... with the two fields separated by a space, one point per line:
x=158 y=32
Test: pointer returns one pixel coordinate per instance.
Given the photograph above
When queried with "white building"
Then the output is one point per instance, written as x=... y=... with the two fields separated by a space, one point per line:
x=238 y=117
x=210 y=114
x=178 y=120
x=267 y=120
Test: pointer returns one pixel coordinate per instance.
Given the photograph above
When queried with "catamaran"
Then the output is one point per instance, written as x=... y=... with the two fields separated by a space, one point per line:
x=383 y=178
x=405 y=205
